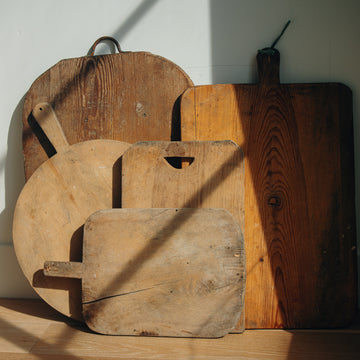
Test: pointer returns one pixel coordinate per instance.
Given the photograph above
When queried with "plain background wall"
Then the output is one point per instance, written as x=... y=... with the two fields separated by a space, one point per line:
x=214 y=41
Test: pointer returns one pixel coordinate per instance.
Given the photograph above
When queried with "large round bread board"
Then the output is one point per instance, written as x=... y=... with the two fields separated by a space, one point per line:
x=53 y=207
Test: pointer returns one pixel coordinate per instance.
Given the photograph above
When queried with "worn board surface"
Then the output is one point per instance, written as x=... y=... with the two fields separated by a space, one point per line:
x=130 y=96
x=54 y=205
x=214 y=178
x=299 y=186
x=153 y=272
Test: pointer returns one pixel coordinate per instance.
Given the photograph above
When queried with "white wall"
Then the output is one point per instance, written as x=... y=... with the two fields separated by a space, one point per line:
x=214 y=41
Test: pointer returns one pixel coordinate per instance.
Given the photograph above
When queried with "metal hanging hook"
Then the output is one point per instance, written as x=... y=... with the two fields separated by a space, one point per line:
x=104 y=38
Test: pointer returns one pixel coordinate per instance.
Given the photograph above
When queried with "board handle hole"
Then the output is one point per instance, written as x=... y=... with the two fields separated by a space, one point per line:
x=179 y=162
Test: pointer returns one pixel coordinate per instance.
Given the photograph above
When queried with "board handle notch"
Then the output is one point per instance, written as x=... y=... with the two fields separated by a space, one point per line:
x=268 y=65
x=268 y=61
x=178 y=155
x=179 y=162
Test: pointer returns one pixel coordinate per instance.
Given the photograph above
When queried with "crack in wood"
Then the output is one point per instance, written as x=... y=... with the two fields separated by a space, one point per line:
x=116 y=295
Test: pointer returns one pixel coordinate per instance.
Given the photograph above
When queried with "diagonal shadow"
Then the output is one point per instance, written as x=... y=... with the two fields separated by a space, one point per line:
x=258 y=157
x=88 y=64
x=152 y=247
x=65 y=91
x=12 y=165
x=195 y=201
x=79 y=75
x=87 y=67
x=22 y=339
x=130 y=22
x=32 y=308
x=133 y=19
x=278 y=174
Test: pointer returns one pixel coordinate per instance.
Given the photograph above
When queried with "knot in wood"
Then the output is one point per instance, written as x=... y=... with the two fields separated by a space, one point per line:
x=274 y=201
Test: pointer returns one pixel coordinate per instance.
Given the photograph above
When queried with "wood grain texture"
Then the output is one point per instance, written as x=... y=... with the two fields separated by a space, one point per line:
x=30 y=331
x=149 y=181
x=51 y=211
x=299 y=185
x=130 y=96
x=152 y=272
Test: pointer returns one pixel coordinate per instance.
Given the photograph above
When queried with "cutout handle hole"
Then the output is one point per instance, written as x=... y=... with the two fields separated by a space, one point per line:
x=179 y=162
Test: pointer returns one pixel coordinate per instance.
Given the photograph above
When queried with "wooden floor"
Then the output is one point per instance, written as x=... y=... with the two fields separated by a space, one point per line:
x=30 y=329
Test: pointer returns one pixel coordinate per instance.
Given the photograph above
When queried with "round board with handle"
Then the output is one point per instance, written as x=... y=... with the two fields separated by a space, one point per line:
x=55 y=203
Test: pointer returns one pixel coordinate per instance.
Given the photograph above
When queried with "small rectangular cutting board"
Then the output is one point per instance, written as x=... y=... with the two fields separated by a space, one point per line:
x=214 y=178
x=153 y=272
x=299 y=184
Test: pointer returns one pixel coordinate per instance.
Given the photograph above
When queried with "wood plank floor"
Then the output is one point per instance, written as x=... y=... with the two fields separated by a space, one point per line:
x=30 y=329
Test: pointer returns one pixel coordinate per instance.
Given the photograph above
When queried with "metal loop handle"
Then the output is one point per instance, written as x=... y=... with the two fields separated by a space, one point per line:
x=104 y=38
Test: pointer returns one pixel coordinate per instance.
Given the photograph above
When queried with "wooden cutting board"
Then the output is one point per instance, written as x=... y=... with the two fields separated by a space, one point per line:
x=299 y=186
x=153 y=272
x=149 y=181
x=54 y=204
x=128 y=96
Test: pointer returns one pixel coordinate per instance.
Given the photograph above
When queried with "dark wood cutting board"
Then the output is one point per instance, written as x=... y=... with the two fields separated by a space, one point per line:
x=153 y=272
x=299 y=185
x=150 y=181
x=128 y=96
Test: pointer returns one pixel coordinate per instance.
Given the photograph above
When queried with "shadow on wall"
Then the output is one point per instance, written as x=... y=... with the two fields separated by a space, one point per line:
x=13 y=163
x=129 y=272
x=227 y=23
x=133 y=19
x=13 y=166
x=233 y=22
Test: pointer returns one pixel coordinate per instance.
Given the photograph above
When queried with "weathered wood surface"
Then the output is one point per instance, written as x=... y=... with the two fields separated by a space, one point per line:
x=153 y=272
x=299 y=186
x=54 y=204
x=149 y=181
x=130 y=96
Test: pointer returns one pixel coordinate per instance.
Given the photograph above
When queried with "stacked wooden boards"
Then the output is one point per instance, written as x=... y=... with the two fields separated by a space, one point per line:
x=214 y=178
x=299 y=222
x=127 y=97
x=299 y=185
x=153 y=272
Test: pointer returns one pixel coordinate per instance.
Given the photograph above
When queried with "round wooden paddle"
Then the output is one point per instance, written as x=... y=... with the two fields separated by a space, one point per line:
x=54 y=204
